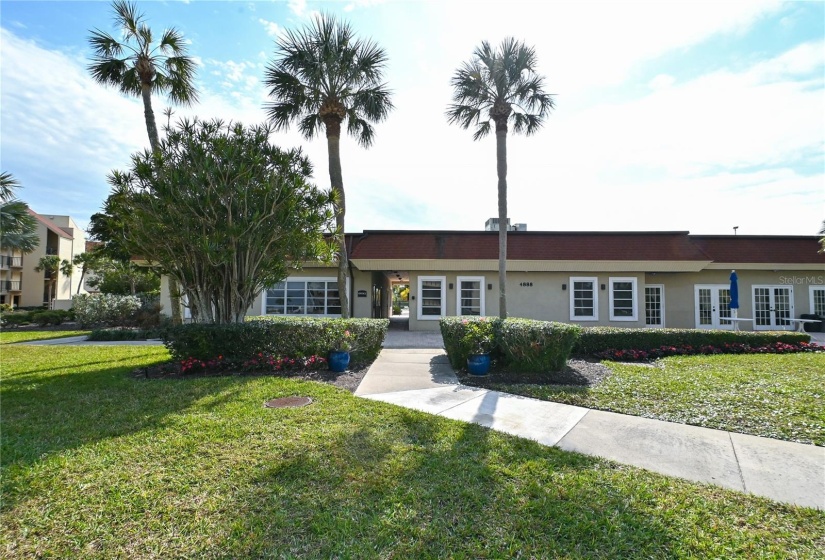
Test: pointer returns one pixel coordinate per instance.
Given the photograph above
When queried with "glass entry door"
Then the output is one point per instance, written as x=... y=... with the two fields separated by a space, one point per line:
x=772 y=307
x=713 y=307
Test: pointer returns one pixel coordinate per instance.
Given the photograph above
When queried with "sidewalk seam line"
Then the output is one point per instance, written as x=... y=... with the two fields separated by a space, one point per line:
x=738 y=466
x=486 y=391
x=571 y=427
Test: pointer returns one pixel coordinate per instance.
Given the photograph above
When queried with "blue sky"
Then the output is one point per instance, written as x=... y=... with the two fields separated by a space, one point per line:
x=694 y=116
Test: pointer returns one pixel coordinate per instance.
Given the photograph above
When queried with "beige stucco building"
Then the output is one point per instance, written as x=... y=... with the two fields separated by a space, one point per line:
x=622 y=279
x=22 y=285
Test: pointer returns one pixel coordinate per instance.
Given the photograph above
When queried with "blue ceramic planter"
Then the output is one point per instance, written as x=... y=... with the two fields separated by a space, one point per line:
x=338 y=360
x=478 y=364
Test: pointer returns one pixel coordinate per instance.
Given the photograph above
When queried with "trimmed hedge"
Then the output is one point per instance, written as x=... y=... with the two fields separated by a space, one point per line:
x=124 y=334
x=594 y=340
x=536 y=346
x=522 y=345
x=295 y=337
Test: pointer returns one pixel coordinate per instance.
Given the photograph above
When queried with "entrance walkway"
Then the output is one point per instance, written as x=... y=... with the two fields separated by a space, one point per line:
x=420 y=378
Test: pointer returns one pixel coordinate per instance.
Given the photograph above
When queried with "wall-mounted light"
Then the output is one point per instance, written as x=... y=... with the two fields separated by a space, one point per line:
x=412 y=297
x=604 y=286
x=450 y=285
x=564 y=287
x=489 y=286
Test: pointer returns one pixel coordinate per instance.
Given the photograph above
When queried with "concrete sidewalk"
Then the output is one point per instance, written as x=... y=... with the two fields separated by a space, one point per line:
x=422 y=379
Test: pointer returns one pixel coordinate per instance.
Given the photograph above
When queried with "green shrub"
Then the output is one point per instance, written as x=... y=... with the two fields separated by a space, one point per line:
x=45 y=318
x=16 y=319
x=104 y=309
x=536 y=346
x=519 y=344
x=296 y=337
x=600 y=339
x=6 y=308
x=125 y=334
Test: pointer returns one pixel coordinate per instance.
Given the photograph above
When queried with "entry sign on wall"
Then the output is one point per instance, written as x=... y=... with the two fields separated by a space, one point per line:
x=362 y=293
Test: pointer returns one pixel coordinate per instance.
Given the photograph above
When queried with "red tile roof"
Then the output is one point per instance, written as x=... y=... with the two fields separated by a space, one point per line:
x=589 y=246
x=760 y=248
x=632 y=246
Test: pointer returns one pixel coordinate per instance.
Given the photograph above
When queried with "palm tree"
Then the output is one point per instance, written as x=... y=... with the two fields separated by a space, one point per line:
x=139 y=67
x=500 y=85
x=51 y=265
x=322 y=76
x=18 y=228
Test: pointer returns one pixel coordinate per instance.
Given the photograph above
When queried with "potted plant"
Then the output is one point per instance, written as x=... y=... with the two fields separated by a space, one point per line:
x=338 y=358
x=478 y=340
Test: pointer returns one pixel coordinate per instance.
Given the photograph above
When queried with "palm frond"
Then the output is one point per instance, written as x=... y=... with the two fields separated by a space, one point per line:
x=495 y=77
x=8 y=183
x=104 y=45
x=324 y=62
x=127 y=18
x=360 y=129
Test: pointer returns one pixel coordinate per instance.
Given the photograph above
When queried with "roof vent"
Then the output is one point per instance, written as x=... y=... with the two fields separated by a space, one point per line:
x=492 y=224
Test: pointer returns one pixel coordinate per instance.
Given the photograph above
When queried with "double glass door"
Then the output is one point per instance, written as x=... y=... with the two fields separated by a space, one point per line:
x=772 y=307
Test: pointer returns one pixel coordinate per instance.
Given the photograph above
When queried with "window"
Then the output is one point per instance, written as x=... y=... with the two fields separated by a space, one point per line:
x=623 y=299
x=470 y=295
x=584 y=299
x=655 y=305
x=432 y=303
x=818 y=301
x=303 y=296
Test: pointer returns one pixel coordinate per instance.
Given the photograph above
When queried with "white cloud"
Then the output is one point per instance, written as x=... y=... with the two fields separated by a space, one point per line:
x=272 y=28
x=298 y=7
x=662 y=81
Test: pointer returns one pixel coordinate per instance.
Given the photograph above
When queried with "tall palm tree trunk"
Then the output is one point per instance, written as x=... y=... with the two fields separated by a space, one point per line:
x=336 y=179
x=154 y=141
x=149 y=114
x=501 y=165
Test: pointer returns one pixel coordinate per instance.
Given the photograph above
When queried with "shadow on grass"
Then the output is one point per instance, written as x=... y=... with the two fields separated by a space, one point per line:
x=49 y=410
x=437 y=489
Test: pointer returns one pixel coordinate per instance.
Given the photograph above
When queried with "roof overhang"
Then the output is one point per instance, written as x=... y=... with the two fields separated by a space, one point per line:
x=767 y=266
x=531 y=265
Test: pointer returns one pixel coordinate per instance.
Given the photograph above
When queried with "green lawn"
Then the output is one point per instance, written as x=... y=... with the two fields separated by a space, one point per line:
x=773 y=395
x=10 y=337
x=96 y=464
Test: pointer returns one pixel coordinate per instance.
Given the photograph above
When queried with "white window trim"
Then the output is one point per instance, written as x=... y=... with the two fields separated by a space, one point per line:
x=635 y=289
x=443 y=280
x=595 y=281
x=482 y=289
x=301 y=279
x=662 y=305
x=811 y=289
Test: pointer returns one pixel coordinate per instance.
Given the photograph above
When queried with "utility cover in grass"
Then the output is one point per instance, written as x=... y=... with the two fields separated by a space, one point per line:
x=288 y=402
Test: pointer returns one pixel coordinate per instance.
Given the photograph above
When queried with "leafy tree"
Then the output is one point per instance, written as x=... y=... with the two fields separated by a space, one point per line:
x=123 y=278
x=106 y=227
x=88 y=261
x=139 y=67
x=223 y=212
x=322 y=76
x=52 y=265
x=500 y=85
x=18 y=228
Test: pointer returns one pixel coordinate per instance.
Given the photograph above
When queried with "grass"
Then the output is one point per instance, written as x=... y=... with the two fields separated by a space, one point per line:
x=96 y=464
x=10 y=337
x=780 y=396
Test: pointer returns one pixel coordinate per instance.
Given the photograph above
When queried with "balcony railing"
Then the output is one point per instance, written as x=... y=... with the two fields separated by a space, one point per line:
x=9 y=285
x=10 y=262
x=51 y=250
